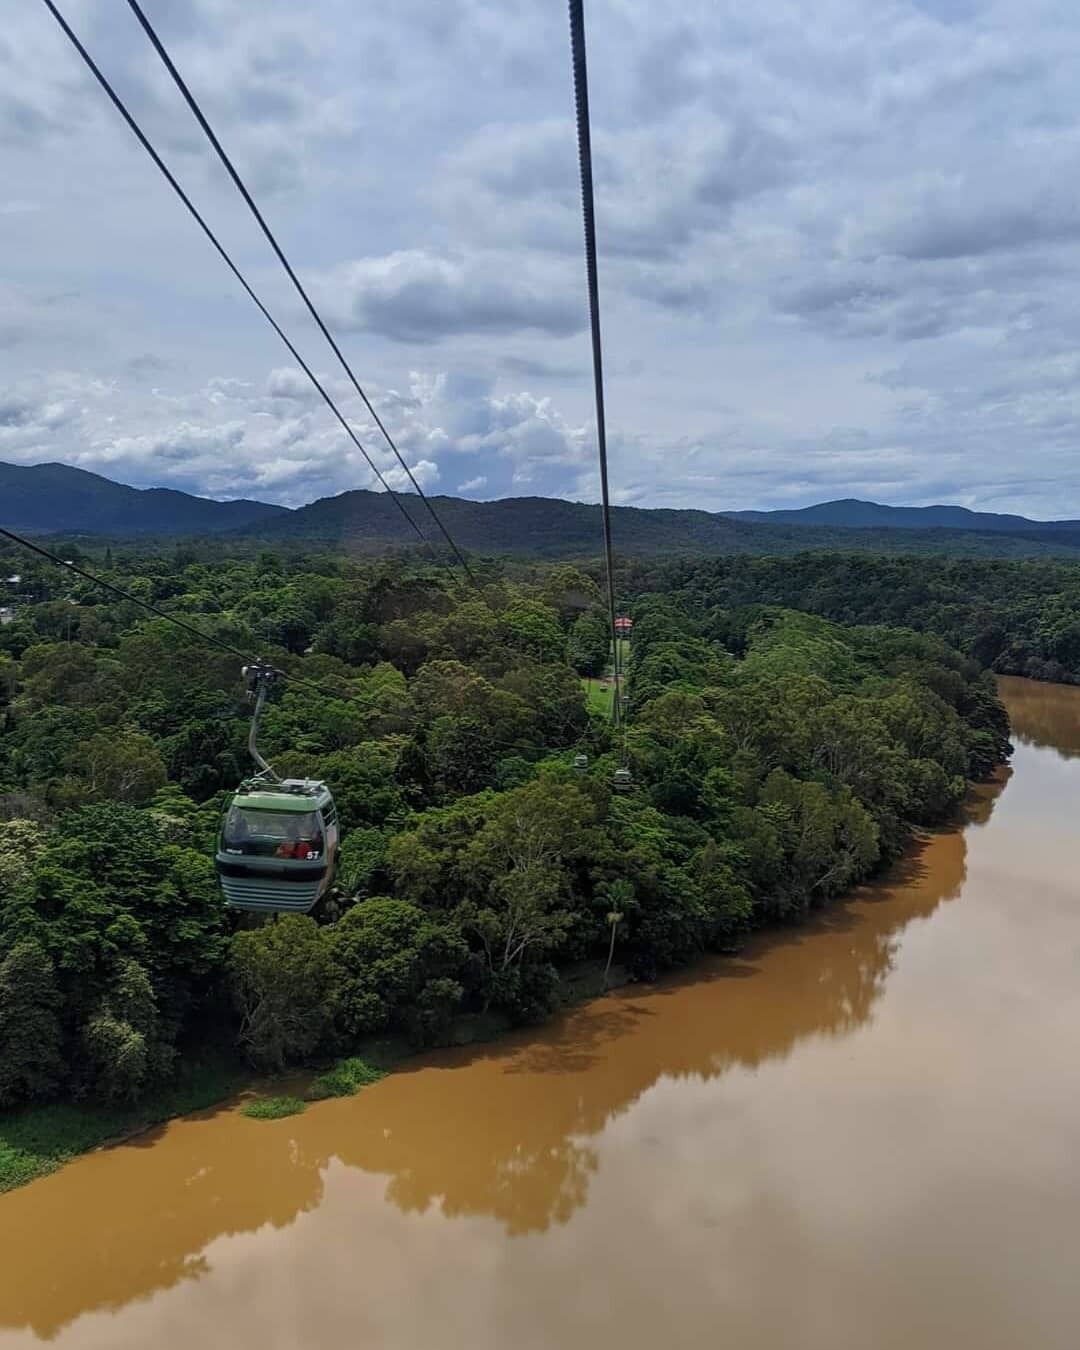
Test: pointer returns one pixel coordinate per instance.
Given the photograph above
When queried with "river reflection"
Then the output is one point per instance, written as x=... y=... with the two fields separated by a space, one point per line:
x=1040 y=715
x=856 y=1133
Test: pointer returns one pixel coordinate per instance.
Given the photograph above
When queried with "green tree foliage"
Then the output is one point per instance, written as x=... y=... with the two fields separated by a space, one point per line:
x=282 y=980
x=122 y=1037
x=451 y=689
x=21 y=845
x=570 y=592
x=589 y=647
x=395 y=966
x=361 y=857
x=31 y=1063
x=788 y=728
x=124 y=767
x=520 y=869
x=531 y=626
x=366 y=782
x=554 y=695
x=132 y=926
x=1017 y=618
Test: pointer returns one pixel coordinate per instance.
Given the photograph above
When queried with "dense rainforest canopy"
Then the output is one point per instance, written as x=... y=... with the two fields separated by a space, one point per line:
x=777 y=756
x=1016 y=618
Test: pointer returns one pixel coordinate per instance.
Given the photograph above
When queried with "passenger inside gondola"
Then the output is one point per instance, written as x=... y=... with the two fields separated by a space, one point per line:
x=301 y=841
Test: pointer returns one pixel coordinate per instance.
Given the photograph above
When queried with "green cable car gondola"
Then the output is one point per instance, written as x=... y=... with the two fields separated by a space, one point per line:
x=278 y=845
x=278 y=841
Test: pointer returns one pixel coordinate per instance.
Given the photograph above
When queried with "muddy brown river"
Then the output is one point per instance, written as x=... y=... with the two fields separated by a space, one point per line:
x=862 y=1135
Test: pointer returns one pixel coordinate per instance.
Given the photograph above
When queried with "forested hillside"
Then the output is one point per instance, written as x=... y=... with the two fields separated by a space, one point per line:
x=1017 y=618
x=38 y=498
x=547 y=527
x=777 y=758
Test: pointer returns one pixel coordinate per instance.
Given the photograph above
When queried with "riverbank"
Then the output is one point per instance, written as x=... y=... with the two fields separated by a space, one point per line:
x=40 y=1139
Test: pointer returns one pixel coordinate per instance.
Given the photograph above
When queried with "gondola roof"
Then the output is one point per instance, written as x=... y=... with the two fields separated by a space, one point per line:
x=292 y=795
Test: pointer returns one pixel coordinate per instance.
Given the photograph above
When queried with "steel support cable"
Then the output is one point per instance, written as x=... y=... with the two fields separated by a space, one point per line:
x=146 y=144
x=241 y=187
x=584 y=138
x=208 y=638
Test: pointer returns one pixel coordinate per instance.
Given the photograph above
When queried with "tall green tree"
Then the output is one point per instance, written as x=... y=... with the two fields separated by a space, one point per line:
x=31 y=1059
x=122 y=1038
x=282 y=980
x=394 y=965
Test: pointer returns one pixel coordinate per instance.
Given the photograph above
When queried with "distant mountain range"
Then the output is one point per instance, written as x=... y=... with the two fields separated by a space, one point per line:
x=850 y=513
x=58 y=499
x=546 y=526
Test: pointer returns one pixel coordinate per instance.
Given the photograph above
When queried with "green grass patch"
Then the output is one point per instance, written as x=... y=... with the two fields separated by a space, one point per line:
x=17 y=1166
x=597 y=697
x=345 y=1078
x=37 y=1140
x=273 y=1108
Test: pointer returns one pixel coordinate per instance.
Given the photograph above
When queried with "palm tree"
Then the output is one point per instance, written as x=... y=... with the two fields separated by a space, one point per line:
x=620 y=896
x=614 y=918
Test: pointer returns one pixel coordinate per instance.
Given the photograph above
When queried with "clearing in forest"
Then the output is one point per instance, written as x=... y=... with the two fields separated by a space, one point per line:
x=600 y=692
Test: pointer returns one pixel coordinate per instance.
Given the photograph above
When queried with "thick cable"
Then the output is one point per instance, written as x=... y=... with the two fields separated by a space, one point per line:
x=144 y=141
x=208 y=638
x=581 y=103
x=241 y=187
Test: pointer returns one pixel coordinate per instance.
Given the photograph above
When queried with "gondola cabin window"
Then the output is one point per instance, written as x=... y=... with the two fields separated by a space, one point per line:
x=272 y=834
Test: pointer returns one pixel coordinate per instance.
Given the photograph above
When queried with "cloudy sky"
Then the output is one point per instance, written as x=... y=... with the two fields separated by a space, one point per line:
x=840 y=248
